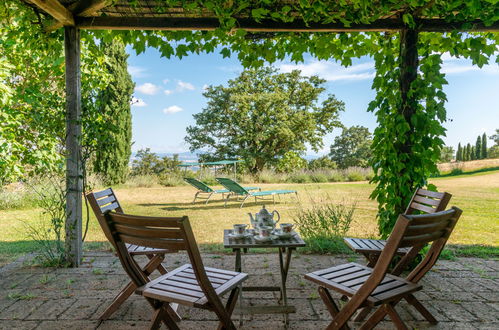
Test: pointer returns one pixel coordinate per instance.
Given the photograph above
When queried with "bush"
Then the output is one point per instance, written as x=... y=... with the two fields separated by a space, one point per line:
x=17 y=196
x=324 y=225
x=354 y=175
x=319 y=176
x=336 y=176
x=269 y=176
x=142 y=181
x=299 y=177
x=172 y=179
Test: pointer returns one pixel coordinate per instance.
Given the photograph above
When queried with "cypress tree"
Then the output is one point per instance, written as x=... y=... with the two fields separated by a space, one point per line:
x=468 y=152
x=484 y=146
x=473 y=153
x=459 y=153
x=113 y=154
x=478 y=147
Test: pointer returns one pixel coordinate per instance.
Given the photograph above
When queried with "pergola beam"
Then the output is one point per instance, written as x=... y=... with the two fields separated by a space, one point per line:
x=55 y=9
x=82 y=8
x=207 y=24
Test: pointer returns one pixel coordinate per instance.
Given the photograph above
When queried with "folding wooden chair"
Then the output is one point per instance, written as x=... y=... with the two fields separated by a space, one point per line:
x=375 y=287
x=105 y=201
x=424 y=201
x=191 y=284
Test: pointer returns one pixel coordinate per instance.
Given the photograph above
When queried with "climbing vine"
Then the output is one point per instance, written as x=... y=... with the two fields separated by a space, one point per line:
x=409 y=134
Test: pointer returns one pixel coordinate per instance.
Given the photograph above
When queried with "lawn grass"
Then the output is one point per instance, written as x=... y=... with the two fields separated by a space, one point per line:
x=475 y=234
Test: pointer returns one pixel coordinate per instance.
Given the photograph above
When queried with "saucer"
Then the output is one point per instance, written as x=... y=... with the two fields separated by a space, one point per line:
x=283 y=235
x=260 y=239
x=235 y=236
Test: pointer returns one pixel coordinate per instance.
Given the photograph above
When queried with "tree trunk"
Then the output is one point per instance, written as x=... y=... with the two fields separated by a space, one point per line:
x=409 y=63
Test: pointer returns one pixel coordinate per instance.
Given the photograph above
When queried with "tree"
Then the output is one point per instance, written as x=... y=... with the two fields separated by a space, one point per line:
x=262 y=115
x=473 y=153
x=149 y=163
x=446 y=154
x=478 y=148
x=484 y=146
x=113 y=155
x=322 y=162
x=495 y=137
x=290 y=162
x=468 y=152
x=352 y=147
x=459 y=153
x=493 y=152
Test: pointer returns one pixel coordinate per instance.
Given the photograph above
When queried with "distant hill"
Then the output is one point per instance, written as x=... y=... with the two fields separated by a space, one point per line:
x=192 y=157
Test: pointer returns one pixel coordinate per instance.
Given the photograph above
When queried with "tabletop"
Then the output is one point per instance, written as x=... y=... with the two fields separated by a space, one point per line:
x=249 y=242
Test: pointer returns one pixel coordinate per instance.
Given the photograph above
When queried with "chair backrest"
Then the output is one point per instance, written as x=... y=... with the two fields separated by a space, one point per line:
x=156 y=232
x=198 y=184
x=232 y=186
x=428 y=201
x=411 y=231
x=102 y=202
x=415 y=232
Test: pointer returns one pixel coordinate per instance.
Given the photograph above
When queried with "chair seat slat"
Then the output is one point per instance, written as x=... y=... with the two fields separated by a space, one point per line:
x=177 y=290
x=103 y=193
x=173 y=233
x=346 y=268
x=109 y=207
x=421 y=207
x=434 y=194
x=425 y=200
x=212 y=274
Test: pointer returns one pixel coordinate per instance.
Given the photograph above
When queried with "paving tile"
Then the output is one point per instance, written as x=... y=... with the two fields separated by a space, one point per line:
x=50 y=309
x=17 y=325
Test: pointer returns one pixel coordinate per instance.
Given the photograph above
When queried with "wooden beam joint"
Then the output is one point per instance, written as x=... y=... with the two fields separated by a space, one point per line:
x=55 y=9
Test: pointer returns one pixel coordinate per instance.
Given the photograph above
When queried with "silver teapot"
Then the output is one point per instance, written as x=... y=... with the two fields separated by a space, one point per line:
x=264 y=218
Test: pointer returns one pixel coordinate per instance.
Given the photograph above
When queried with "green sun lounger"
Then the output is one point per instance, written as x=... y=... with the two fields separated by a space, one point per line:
x=204 y=189
x=236 y=189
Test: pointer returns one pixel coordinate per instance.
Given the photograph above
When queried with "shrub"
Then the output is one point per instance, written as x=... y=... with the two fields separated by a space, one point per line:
x=336 y=176
x=170 y=179
x=141 y=181
x=269 y=176
x=17 y=196
x=323 y=162
x=299 y=177
x=319 y=176
x=324 y=224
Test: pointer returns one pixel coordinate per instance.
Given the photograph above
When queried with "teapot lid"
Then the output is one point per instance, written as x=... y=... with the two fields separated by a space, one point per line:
x=264 y=211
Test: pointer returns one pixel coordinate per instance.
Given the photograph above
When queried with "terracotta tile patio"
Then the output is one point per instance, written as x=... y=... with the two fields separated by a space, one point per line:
x=462 y=294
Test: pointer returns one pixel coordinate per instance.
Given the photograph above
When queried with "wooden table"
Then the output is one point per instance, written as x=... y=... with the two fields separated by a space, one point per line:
x=285 y=247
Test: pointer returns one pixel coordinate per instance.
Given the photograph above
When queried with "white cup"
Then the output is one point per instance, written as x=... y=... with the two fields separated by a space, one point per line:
x=239 y=229
x=287 y=228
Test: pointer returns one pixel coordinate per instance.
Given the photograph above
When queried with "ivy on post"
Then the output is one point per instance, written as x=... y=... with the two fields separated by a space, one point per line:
x=74 y=174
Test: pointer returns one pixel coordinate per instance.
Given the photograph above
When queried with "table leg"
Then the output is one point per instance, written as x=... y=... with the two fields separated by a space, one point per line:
x=284 y=267
x=238 y=268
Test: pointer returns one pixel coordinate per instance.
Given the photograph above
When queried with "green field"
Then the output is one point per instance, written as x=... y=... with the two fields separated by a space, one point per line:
x=477 y=195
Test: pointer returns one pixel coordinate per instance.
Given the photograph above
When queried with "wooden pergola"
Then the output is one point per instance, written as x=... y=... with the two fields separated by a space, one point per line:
x=74 y=15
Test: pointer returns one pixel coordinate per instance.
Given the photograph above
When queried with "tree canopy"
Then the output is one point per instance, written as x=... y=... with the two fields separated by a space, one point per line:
x=262 y=115
x=352 y=147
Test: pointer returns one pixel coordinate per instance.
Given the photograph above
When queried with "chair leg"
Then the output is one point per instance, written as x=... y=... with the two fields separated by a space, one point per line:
x=375 y=318
x=395 y=317
x=231 y=304
x=161 y=315
x=361 y=315
x=331 y=307
x=244 y=200
x=195 y=196
x=126 y=292
x=420 y=308
x=208 y=199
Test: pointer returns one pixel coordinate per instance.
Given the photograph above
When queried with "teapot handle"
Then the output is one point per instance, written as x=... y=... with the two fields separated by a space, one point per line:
x=278 y=215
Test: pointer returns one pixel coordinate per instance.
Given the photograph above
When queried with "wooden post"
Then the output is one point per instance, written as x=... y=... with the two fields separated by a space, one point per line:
x=74 y=172
x=409 y=63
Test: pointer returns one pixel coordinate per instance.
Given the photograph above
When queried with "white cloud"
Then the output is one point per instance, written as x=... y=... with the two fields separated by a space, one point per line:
x=172 y=109
x=147 y=88
x=139 y=103
x=137 y=71
x=182 y=86
x=168 y=91
x=332 y=71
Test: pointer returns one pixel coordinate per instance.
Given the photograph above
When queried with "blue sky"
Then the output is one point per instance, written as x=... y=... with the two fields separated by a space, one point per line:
x=169 y=91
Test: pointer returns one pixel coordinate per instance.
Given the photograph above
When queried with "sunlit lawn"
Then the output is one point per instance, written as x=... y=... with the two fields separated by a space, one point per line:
x=477 y=195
